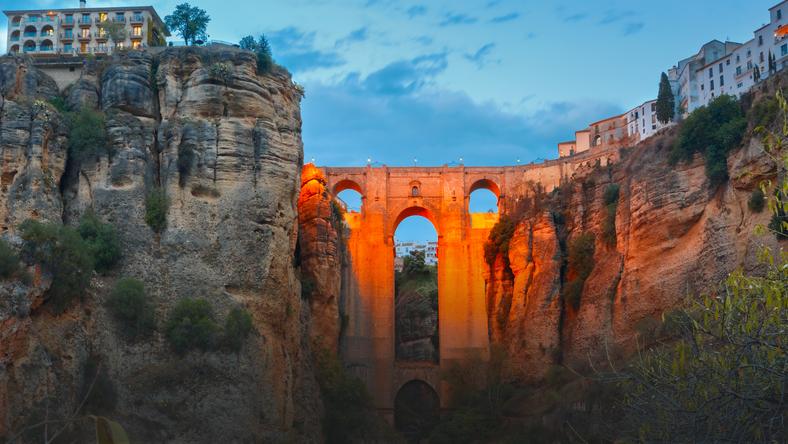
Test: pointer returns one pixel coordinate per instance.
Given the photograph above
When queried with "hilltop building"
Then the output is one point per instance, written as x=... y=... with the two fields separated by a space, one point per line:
x=403 y=249
x=81 y=31
x=717 y=68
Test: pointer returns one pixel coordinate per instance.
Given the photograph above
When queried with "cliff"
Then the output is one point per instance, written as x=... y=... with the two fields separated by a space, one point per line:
x=226 y=150
x=663 y=237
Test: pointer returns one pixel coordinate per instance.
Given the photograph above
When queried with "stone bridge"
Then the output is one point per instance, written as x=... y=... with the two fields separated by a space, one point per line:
x=441 y=195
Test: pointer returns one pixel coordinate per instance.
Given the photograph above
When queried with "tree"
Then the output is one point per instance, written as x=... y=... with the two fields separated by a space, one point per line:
x=666 y=103
x=189 y=22
x=756 y=75
x=115 y=30
x=262 y=50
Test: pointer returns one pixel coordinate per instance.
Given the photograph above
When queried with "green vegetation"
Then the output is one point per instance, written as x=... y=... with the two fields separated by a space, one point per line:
x=9 y=261
x=102 y=240
x=114 y=30
x=222 y=72
x=191 y=326
x=237 y=327
x=62 y=252
x=347 y=405
x=156 y=207
x=611 y=204
x=261 y=48
x=779 y=223
x=666 y=103
x=498 y=242
x=713 y=130
x=87 y=136
x=189 y=22
x=129 y=304
x=59 y=104
x=764 y=113
x=416 y=307
x=757 y=201
x=580 y=263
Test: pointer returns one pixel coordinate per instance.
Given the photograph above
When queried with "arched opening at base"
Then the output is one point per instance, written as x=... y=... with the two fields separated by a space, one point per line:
x=416 y=410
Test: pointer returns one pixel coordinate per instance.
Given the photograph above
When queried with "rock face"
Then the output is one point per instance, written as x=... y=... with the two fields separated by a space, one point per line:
x=674 y=237
x=227 y=153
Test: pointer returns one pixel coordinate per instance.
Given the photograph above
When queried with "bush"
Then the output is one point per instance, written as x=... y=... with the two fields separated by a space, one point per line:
x=62 y=252
x=9 y=261
x=87 y=135
x=347 y=404
x=237 y=327
x=757 y=201
x=128 y=303
x=156 y=207
x=102 y=240
x=580 y=264
x=764 y=113
x=610 y=197
x=498 y=241
x=261 y=48
x=713 y=130
x=222 y=72
x=191 y=326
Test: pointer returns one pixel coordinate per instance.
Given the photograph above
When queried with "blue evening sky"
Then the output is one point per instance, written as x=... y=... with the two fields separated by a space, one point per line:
x=491 y=81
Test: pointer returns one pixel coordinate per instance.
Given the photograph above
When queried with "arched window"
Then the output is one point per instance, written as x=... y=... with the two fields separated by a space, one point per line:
x=15 y=36
x=46 y=45
x=47 y=31
x=30 y=46
x=15 y=49
x=30 y=31
x=597 y=140
x=414 y=191
x=16 y=21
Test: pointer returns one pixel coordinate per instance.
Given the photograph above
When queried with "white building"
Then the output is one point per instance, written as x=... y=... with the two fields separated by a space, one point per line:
x=642 y=121
x=430 y=249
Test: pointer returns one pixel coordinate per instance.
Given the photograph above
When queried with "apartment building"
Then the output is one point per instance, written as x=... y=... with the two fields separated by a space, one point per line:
x=642 y=122
x=83 y=30
x=430 y=249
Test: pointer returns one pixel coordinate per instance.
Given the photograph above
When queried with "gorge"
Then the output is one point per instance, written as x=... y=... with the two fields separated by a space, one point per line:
x=249 y=225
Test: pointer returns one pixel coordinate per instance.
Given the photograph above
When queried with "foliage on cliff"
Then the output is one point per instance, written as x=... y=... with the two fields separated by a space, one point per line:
x=580 y=263
x=102 y=240
x=610 y=199
x=713 y=130
x=498 y=241
x=129 y=304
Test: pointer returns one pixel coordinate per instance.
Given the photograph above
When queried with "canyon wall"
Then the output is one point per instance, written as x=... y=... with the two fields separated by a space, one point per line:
x=227 y=152
x=673 y=237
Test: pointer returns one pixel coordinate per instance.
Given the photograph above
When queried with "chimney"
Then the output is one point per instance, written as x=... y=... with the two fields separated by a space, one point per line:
x=82 y=3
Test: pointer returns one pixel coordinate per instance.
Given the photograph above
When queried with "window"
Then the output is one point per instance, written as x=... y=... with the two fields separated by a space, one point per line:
x=711 y=73
x=711 y=86
x=749 y=66
x=67 y=47
x=119 y=45
x=722 y=81
x=69 y=19
x=779 y=14
x=85 y=19
x=414 y=191
x=739 y=85
x=135 y=44
x=702 y=87
x=83 y=47
x=84 y=33
x=68 y=33
x=136 y=31
x=784 y=49
x=728 y=62
x=653 y=107
x=760 y=41
x=119 y=17
x=738 y=70
x=720 y=68
x=738 y=59
x=102 y=16
x=749 y=53
x=761 y=57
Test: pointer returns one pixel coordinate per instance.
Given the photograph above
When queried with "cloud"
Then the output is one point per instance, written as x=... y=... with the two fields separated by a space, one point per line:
x=398 y=113
x=401 y=77
x=359 y=35
x=481 y=57
x=424 y=40
x=453 y=18
x=633 y=28
x=613 y=16
x=576 y=17
x=505 y=18
x=415 y=11
x=295 y=50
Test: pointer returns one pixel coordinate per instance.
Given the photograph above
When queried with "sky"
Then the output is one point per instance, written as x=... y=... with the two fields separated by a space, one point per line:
x=493 y=82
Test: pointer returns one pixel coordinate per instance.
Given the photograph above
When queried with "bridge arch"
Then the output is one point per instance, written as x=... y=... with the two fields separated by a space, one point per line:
x=485 y=184
x=416 y=410
x=415 y=210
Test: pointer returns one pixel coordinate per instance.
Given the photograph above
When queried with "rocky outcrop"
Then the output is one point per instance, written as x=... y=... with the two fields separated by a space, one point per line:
x=321 y=256
x=227 y=153
x=674 y=238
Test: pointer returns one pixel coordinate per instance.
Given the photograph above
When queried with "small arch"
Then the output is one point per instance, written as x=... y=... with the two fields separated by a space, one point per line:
x=46 y=45
x=597 y=140
x=30 y=31
x=416 y=410
x=15 y=35
x=485 y=184
x=15 y=49
x=30 y=46
x=16 y=20
x=47 y=30
x=347 y=184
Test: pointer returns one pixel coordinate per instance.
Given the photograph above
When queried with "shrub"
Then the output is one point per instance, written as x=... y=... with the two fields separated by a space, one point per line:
x=757 y=201
x=580 y=263
x=222 y=72
x=9 y=261
x=237 y=327
x=191 y=326
x=345 y=398
x=87 y=135
x=62 y=252
x=610 y=197
x=765 y=112
x=156 y=207
x=261 y=48
x=128 y=303
x=713 y=130
x=102 y=240
x=59 y=104
x=498 y=241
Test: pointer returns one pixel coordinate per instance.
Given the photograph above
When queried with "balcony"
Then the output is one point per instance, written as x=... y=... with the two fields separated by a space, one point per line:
x=101 y=49
x=137 y=18
x=85 y=21
x=103 y=36
x=15 y=38
x=68 y=21
x=136 y=36
x=67 y=36
x=84 y=37
x=30 y=34
x=119 y=20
